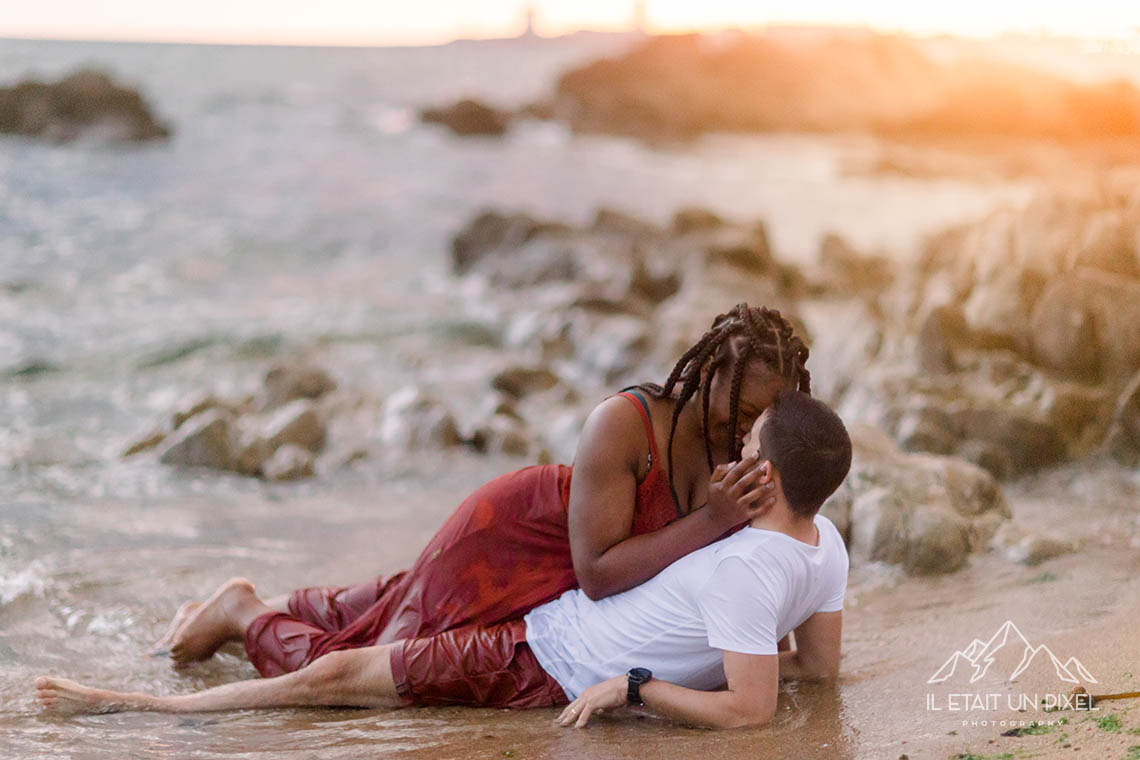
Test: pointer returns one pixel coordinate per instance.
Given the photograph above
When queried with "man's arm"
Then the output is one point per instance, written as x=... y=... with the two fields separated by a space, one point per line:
x=749 y=700
x=817 y=648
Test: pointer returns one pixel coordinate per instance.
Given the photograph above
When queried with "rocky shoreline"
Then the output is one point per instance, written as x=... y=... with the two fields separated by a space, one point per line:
x=955 y=373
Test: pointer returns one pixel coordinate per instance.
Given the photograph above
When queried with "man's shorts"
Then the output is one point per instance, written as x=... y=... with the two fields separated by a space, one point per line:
x=488 y=666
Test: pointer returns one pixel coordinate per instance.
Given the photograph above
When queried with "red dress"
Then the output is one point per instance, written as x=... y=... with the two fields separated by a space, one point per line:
x=504 y=551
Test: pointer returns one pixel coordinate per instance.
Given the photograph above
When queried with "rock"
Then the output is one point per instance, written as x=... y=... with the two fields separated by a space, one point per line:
x=847 y=270
x=502 y=434
x=289 y=462
x=298 y=423
x=203 y=404
x=84 y=104
x=519 y=381
x=998 y=309
x=1033 y=550
x=1109 y=244
x=938 y=542
x=942 y=333
x=144 y=443
x=991 y=458
x=253 y=451
x=1028 y=548
x=1124 y=438
x=924 y=512
x=284 y=383
x=1064 y=333
x=491 y=231
x=650 y=282
x=205 y=440
x=926 y=429
x=1074 y=409
x=1030 y=443
x=468 y=117
x=675 y=87
x=1111 y=304
x=413 y=418
x=539 y=261
x=878 y=527
x=694 y=219
x=608 y=220
x=753 y=254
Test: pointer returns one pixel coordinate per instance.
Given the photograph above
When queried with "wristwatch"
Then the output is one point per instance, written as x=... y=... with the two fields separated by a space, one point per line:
x=636 y=677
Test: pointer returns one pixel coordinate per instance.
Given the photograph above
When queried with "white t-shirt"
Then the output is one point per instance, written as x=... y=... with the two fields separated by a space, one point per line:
x=741 y=594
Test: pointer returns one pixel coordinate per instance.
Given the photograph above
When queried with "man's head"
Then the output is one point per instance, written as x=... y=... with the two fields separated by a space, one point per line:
x=807 y=446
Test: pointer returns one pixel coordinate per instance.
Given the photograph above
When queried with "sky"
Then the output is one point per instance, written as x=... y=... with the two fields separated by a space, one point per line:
x=412 y=22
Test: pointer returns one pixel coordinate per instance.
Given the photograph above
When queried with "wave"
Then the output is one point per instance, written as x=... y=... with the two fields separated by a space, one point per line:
x=31 y=581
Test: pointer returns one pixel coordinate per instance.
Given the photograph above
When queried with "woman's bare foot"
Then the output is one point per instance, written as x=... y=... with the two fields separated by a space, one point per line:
x=62 y=695
x=162 y=646
x=221 y=618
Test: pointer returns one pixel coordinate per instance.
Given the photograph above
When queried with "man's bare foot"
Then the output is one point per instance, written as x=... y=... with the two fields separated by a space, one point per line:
x=62 y=695
x=221 y=618
x=162 y=646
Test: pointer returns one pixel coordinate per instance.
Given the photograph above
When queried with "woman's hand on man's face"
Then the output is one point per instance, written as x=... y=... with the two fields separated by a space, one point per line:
x=739 y=491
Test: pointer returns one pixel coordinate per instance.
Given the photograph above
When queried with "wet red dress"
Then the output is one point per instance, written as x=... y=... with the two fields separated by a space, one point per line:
x=504 y=551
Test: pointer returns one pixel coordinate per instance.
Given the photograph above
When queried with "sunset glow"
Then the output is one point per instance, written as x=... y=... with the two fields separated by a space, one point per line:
x=363 y=22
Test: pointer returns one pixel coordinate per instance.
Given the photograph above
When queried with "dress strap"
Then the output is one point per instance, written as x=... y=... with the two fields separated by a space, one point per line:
x=643 y=409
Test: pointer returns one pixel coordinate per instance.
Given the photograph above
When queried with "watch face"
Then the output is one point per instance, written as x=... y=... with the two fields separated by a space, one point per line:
x=640 y=675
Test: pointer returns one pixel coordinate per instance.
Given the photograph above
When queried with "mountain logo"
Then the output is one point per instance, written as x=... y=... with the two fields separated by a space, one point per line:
x=979 y=655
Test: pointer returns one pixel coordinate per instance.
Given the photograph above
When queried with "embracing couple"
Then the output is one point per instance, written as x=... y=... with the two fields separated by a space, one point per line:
x=671 y=582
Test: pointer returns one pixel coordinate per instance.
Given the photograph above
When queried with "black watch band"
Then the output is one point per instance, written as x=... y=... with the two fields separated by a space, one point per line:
x=635 y=678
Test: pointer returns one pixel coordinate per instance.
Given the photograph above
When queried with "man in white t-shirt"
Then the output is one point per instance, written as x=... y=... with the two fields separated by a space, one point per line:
x=696 y=643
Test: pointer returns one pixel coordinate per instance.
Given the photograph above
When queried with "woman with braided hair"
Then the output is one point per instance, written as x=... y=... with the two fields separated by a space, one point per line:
x=526 y=537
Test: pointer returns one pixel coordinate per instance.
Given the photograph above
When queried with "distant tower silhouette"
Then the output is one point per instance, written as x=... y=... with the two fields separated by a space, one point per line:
x=530 y=14
x=640 y=17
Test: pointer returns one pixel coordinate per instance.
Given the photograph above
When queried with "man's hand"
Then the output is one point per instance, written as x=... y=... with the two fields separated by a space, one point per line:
x=601 y=696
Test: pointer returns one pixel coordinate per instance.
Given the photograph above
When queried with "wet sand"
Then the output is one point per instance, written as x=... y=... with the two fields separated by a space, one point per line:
x=97 y=611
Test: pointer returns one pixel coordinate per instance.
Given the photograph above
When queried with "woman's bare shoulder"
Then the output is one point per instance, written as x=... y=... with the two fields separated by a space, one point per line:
x=613 y=433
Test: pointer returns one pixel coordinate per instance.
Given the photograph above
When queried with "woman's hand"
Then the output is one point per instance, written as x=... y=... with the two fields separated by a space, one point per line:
x=735 y=496
x=599 y=697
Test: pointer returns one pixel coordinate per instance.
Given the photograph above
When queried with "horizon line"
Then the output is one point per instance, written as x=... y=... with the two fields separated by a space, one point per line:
x=754 y=29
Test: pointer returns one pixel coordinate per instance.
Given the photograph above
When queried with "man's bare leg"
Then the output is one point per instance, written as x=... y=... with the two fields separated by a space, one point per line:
x=352 y=678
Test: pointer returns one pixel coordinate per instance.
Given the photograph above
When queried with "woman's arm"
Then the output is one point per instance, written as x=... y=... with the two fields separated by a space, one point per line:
x=607 y=560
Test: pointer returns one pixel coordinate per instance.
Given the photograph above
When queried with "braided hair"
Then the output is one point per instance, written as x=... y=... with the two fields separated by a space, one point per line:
x=735 y=339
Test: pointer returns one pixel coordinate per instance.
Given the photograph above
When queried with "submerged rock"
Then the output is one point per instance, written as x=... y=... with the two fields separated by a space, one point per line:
x=145 y=442
x=298 y=423
x=518 y=381
x=290 y=462
x=285 y=382
x=86 y=103
x=203 y=404
x=468 y=117
x=205 y=440
x=503 y=434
